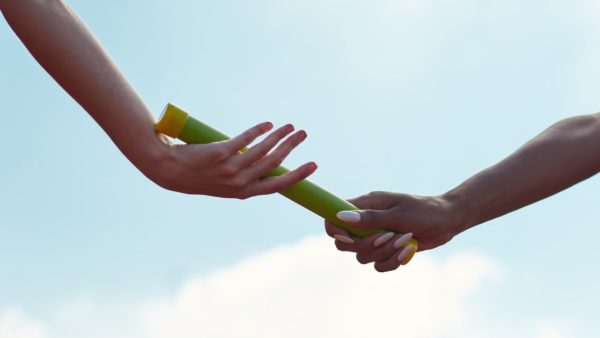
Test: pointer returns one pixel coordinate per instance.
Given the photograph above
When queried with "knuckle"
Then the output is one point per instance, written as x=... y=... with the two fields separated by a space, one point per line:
x=281 y=184
x=262 y=151
x=220 y=153
x=369 y=216
x=248 y=137
x=294 y=143
x=371 y=194
x=273 y=162
x=229 y=170
x=257 y=152
x=340 y=246
x=381 y=268
x=238 y=182
x=289 y=145
x=251 y=134
x=361 y=258
x=374 y=193
x=329 y=230
x=362 y=246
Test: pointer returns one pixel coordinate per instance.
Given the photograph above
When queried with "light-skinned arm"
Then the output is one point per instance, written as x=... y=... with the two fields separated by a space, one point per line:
x=61 y=43
x=566 y=153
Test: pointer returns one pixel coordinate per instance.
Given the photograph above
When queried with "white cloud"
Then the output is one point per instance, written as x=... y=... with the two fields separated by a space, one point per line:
x=308 y=289
x=548 y=330
x=15 y=324
x=85 y=317
x=591 y=7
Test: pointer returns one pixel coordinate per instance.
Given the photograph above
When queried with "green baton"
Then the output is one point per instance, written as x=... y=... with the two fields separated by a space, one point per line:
x=176 y=123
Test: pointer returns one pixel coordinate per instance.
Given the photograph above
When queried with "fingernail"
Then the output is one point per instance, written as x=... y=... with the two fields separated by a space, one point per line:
x=349 y=216
x=402 y=240
x=402 y=256
x=303 y=134
x=383 y=238
x=344 y=239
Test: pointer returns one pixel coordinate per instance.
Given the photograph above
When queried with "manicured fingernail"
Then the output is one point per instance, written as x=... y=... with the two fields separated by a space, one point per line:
x=402 y=240
x=349 y=216
x=344 y=239
x=402 y=256
x=383 y=238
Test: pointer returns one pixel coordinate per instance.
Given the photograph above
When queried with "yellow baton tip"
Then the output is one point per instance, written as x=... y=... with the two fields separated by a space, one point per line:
x=171 y=121
x=414 y=246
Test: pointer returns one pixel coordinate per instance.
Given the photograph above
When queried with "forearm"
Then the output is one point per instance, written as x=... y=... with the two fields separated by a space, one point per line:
x=68 y=51
x=564 y=154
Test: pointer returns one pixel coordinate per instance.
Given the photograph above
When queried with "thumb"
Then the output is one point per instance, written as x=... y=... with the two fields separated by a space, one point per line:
x=368 y=218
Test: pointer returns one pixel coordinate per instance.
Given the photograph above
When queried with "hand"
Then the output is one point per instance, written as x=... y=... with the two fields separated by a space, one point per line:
x=428 y=219
x=221 y=169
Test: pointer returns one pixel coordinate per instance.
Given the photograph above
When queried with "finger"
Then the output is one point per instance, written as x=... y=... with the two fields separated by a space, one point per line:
x=343 y=240
x=244 y=139
x=270 y=162
x=374 y=200
x=275 y=184
x=342 y=246
x=333 y=230
x=394 y=261
x=383 y=248
x=368 y=218
x=273 y=160
x=369 y=247
x=260 y=150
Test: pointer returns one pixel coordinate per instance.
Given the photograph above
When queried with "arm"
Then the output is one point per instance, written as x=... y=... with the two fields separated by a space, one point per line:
x=563 y=155
x=68 y=51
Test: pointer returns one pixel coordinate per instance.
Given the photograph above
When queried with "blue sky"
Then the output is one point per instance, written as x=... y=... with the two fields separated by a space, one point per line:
x=412 y=96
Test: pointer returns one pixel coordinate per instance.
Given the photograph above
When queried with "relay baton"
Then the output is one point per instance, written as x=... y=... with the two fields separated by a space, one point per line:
x=176 y=123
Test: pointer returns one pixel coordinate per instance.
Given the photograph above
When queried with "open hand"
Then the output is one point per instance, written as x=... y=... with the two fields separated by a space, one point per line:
x=221 y=169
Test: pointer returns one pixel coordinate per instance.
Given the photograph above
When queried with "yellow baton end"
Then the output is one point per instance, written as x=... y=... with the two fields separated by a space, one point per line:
x=414 y=246
x=172 y=121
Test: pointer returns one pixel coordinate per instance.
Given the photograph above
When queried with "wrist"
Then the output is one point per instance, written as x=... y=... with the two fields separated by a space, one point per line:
x=154 y=158
x=457 y=212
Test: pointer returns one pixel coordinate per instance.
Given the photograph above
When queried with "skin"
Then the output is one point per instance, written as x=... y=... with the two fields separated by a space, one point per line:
x=61 y=43
x=566 y=153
